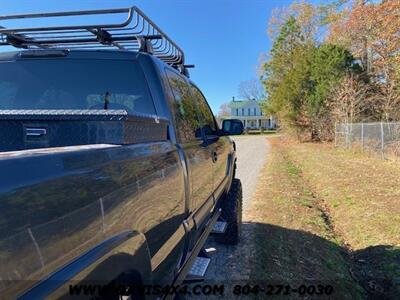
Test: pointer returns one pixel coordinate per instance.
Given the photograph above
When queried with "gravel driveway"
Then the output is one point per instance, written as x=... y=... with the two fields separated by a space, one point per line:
x=231 y=263
x=252 y=154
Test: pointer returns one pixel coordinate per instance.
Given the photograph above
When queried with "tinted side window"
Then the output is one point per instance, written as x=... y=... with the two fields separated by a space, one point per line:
x=184 y=109
x=82 y=84
x=206 y=116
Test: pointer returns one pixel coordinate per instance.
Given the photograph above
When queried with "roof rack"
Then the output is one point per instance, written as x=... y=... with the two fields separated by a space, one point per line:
x=136 y=33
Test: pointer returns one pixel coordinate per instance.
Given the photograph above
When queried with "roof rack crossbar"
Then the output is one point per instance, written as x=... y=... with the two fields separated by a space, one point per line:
x=68 y=13
x=135 y=33
x=84 y=40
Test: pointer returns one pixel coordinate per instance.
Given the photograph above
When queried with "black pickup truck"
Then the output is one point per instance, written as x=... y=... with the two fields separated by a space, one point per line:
x=112 y=167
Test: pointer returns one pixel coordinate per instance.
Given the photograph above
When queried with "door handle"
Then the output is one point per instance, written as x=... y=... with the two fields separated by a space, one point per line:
x=214 y=156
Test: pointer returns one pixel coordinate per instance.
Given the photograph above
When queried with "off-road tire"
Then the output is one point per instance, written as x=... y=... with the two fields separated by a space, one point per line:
x=232 y=214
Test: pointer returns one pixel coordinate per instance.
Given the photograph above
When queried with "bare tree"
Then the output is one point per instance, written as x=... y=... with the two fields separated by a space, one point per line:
x=388 y=100
x=351 y=100
x=251 y=89
x=224 y=110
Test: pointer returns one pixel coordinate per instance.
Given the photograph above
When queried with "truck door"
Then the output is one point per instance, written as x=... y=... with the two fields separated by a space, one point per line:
x=219 y=146
x=196 y=150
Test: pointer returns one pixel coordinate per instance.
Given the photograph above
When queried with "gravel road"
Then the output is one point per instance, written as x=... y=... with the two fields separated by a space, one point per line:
x=231 y=263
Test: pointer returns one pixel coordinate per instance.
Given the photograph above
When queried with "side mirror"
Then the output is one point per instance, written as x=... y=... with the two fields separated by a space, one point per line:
x=232 y=127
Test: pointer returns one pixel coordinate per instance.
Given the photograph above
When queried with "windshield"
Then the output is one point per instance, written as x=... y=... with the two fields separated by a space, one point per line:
x=74 y=84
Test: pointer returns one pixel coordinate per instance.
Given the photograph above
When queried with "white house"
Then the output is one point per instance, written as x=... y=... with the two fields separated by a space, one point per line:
x=249 y=112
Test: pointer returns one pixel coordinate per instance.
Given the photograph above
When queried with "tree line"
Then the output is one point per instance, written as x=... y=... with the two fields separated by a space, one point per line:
x=337 y=62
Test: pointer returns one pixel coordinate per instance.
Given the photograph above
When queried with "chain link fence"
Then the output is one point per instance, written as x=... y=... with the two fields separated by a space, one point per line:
x=381 y=138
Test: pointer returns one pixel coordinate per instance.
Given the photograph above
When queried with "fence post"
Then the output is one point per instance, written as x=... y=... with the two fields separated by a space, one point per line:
x=362 y=137
x=351 y=136
x=382 y=142
x=335 y=134
x=347 y=136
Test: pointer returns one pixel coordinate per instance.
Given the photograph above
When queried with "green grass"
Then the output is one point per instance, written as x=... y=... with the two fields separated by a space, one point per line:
x=305 y=202
x=292 y=169
x=259 y=132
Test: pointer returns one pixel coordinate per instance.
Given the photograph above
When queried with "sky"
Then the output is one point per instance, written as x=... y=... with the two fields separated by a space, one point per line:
x=224 y=39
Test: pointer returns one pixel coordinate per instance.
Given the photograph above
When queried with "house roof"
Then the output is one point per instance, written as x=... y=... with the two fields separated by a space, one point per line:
x=242 y=103
x=237 y=104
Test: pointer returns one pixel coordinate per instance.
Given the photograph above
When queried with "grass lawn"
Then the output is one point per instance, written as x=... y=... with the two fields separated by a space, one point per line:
x=258 y=131
x=328 y=216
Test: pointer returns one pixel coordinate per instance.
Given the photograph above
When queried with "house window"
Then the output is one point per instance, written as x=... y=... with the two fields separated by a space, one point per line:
x=255 y=111
x=248 y=111
x=242 y=111
x=237 y=111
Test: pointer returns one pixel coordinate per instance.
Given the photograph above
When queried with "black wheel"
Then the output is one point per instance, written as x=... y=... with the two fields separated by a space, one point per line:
x=232 y=213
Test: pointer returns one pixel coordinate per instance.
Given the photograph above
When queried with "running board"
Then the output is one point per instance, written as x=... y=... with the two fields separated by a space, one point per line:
x=198 y=250
x=199 y=268
x=219 y=227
